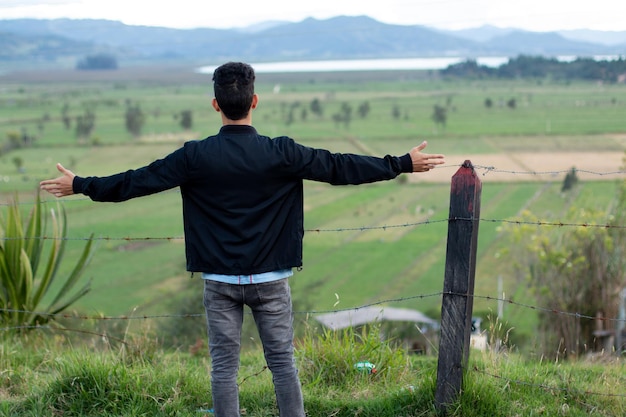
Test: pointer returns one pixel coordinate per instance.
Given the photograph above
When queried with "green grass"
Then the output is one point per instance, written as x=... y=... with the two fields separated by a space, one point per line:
x=345 y=266
x=379 y=243
x=44 y=377
x=354 y=258
x=548 y=109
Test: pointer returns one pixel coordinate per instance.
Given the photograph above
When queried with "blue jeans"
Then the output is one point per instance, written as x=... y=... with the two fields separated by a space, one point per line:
x=270 y=303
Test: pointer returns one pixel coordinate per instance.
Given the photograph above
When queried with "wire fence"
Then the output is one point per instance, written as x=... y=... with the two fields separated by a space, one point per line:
x=380 y=303
x=343 y=229
x=67 y=317
x=507 y=381
x=491 y=169
x=571 y=392
x=485 y=170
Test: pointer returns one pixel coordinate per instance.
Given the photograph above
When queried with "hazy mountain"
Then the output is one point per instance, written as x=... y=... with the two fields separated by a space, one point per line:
x=350 y=37
x=549 y=43
x=487 y=33
x=596 y=36
x=45 y=48
x=480 y=34
x=64 y=40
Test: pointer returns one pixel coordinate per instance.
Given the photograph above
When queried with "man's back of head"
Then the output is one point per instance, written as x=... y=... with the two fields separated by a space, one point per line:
x=233 y=85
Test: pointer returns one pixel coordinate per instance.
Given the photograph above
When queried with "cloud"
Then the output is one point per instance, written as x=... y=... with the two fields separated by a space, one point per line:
x=29 y=3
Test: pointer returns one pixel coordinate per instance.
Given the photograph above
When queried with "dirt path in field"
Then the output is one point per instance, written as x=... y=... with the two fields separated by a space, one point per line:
x=591 y=166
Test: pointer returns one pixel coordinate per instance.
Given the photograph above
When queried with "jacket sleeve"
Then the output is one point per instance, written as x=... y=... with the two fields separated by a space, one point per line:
x=160 y=175
x=343 y=168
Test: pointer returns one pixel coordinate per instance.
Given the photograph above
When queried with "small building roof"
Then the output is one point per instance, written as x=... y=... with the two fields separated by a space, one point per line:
x=347 y=318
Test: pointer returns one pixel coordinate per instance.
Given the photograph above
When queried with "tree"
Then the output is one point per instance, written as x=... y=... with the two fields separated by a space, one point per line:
x=572 y=270
x=28 y=269
x=396 y=112
x=346 y=112
x=440 y=115
x=14 y=140
x=289 y=117
x=316 y=107
x=512 y=103
x=186 y=119
x=85 y=124
x=363 y=109
x=468 y=69
x=18 y=161
x=344 y=115
x=135 y=118
x=539 y=67
x=65 y=116
x=17 y=140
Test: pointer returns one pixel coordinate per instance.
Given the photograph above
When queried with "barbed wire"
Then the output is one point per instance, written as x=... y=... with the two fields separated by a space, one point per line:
x=381 y=303
x=190 y=315
x=343 y=229
x=543 y=309
x=64 y=329
x=486 y=168
x=547 y=387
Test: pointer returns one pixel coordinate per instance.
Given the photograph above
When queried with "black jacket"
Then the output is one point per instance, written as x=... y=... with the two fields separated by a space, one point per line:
x=242 y=195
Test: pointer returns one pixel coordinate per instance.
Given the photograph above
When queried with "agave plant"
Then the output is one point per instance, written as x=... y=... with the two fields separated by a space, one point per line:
x=28 y=267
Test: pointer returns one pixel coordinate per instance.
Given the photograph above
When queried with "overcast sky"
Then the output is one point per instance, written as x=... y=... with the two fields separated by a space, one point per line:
x=535 y=15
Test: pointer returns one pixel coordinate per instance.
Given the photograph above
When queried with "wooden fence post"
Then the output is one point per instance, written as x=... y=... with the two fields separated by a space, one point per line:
x=458 y=287
x=619 y=328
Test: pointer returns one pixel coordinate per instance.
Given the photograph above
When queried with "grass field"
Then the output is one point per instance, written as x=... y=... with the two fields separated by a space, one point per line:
x=54 y=380
x=381 y=244
x=366 y=244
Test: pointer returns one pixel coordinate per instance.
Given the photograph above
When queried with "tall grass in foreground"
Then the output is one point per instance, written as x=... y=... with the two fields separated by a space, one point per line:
x=44 y=376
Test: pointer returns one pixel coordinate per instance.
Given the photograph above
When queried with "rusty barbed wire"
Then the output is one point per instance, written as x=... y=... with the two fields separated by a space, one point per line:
x=65 y=329
x=489 y=169
x=381 y=303
x=546 y=387
x=537 y=308
x=486 y=168
x=346 y=229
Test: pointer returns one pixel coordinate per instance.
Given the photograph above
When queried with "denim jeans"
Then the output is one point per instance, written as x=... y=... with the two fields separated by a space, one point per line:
x=270 y=303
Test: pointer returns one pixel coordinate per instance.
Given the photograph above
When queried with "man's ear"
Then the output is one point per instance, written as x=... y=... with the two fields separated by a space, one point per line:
x=215 y=105
x=255 y=101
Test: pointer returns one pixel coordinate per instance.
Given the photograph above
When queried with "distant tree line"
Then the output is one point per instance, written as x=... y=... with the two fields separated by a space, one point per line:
x=525 y=66
x=97 y=62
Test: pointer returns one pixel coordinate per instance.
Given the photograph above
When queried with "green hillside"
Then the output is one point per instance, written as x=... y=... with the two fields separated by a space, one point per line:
x=379 y=243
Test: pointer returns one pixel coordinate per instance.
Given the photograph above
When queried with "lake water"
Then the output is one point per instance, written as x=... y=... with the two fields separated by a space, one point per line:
x=362 y=65
x=378 y=64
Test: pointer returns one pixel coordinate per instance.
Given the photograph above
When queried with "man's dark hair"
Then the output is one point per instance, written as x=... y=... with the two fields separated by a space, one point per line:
x=233 y=85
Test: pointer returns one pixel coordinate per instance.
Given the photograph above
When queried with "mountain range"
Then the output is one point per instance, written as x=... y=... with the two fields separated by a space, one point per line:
x=59 y=41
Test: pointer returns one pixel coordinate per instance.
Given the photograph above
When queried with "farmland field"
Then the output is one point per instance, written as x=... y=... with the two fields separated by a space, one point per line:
x=381 y=242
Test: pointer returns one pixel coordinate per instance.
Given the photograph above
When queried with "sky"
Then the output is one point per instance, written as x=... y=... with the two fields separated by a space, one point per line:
x=533 y=15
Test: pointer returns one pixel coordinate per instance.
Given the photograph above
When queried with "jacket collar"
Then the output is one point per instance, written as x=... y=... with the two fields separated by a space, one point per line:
x=238 y=129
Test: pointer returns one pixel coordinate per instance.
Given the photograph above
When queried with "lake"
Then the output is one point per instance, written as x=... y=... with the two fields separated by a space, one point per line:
x=434 y=63
x=362 y=65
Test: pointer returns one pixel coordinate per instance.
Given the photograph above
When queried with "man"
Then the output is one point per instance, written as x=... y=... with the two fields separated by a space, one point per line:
x=243 y=218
